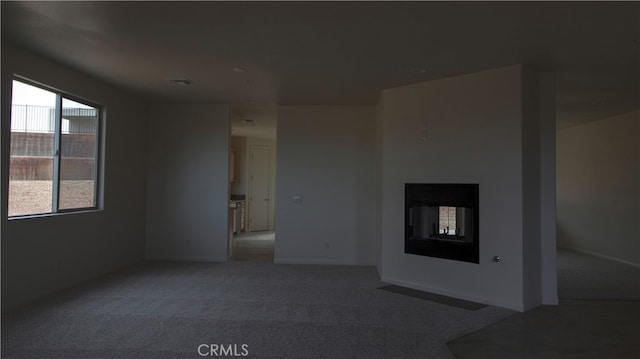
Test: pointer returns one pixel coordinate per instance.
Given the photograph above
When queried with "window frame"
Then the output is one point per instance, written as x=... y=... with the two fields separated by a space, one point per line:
x=57 y=152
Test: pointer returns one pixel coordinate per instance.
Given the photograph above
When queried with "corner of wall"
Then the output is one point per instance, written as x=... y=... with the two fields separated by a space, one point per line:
x=599 y=187
x=539 y=205
x=379 y=183
x=188 y=183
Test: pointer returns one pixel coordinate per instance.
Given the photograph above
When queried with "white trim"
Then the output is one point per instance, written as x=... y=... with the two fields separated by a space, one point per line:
x=55 y=214
x=603 y=256
x=489 y=301
x=321 y=262
x=185 y=259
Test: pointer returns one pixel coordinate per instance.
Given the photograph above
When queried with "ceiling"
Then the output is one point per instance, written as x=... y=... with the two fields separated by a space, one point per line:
x=256 y=55
x=257 y=120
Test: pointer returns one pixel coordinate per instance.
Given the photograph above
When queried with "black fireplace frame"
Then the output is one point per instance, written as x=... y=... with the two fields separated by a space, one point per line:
x=442 y=194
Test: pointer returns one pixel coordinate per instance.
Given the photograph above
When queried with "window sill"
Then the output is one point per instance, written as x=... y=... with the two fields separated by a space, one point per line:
x=58 y=214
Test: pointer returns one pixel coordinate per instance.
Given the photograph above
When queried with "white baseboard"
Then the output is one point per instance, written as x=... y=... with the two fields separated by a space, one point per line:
x=319 y=262
x=603 y=256
x=186 y=259
x=489 y=301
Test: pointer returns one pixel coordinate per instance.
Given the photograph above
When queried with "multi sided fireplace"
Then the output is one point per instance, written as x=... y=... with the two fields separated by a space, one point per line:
x=441 y=220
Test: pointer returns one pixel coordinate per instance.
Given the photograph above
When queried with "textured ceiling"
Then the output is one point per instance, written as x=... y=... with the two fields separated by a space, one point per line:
x=337 y=52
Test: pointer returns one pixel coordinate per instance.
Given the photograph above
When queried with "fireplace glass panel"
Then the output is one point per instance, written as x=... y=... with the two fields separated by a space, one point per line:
x=442 y=221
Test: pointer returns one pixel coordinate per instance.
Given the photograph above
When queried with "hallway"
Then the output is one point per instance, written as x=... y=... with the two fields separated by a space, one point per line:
x=253 y=246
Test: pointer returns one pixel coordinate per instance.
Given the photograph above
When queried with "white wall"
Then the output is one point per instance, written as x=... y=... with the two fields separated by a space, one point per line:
x=378 y=184
x=539 y=211
x=326 y=155
x=548 y=211
x=599 y=187
x=188 y=182
x=239 y=184
x=465 y=129
x=42 y=255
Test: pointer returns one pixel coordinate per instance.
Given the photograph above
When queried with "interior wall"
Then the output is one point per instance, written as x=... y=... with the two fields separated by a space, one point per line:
x=548 y=217
x=188 y=182
x=531 y=249
x=464 y=129
x=599 y=187
x=44 y=254
x=239 y=146
x=326 y=188
x=539 y=190
x=271 y=144
x=378 y=184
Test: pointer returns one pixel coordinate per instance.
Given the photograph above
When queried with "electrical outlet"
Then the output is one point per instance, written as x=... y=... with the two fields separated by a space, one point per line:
x=326 y=245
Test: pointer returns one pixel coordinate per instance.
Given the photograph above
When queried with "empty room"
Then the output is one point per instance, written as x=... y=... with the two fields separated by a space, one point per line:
x=320 y=179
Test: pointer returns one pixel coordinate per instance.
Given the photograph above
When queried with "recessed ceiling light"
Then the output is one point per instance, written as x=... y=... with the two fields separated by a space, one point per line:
x=239 y=69
x=180 y=82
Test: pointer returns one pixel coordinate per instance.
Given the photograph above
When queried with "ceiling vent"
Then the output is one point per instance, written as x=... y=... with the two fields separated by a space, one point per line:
x=180 y=82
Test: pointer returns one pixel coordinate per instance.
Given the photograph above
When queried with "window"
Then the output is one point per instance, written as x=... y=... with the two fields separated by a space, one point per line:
x=451 y=221
x=54 y=152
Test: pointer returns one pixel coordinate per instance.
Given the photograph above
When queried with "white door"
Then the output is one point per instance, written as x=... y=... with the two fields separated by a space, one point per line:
x=259 y=188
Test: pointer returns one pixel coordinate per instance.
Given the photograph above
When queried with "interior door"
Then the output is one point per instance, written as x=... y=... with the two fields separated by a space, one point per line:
x=259 y=188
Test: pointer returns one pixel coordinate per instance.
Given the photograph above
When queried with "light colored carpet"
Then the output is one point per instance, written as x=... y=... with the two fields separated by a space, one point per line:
x=165 y=310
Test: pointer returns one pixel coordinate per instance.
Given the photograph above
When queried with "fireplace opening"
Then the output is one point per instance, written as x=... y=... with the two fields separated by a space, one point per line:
x=441 y=220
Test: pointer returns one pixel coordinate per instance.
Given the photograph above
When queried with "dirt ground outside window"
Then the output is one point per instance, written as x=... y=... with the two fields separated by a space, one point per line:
x=34 y=197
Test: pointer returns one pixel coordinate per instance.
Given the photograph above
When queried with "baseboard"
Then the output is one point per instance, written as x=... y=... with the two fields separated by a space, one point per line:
x=489 y=301
x=185 y=259
x=603 y=256
x=24 y=300
x=319 y=262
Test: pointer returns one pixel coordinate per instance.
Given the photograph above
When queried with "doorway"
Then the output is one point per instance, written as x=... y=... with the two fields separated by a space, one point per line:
x=252 y=183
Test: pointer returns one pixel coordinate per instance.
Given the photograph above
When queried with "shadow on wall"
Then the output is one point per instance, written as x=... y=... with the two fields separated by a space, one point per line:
x=563 y=239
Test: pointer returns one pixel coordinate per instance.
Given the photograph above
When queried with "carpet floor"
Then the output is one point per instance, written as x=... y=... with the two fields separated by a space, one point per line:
x=168 y=309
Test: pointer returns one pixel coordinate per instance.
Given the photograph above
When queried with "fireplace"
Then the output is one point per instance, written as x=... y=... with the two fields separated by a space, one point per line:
x=441 y=220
